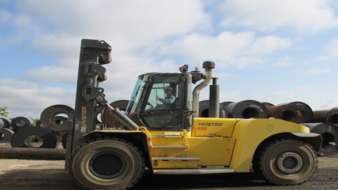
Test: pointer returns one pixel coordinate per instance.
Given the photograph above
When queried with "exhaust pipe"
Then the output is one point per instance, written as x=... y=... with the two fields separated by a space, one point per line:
x=208 y=66
x=214 y=99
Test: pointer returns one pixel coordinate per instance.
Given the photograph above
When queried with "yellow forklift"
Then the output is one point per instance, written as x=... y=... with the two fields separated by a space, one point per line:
x=160 y=131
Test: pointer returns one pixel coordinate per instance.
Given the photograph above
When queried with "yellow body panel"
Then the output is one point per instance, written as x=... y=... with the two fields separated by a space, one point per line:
x=251 y=132
x=208 y=127
x=211 y=151
x=217 y=142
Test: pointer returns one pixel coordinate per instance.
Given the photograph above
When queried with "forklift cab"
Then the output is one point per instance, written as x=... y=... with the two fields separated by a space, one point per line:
x=162 y=101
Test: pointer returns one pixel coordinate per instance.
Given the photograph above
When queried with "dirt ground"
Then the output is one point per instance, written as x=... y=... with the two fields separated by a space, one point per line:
x=50 y=175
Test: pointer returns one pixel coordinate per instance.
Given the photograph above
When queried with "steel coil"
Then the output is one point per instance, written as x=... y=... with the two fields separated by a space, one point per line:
x=60 y=120
x=246 y=109
x=329 y=134
x=286 y=112
x=267 y=104
x=38 y=123
x=6 y=135
x=49 y=117
x=108 y=118
x=21 y=122
x=226 y=103
x=2 y=124
x=326 y=116
x=305 y=109
x=64 y=140
x=7 y=122
x=35 y=137
x=204 y=109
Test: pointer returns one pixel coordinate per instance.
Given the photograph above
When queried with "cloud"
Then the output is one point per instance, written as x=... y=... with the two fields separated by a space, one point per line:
x=333 y=48
x=127 y=23
x=282 y=62
x=52 y=74
x=267 y=15
x=317 y=71
x=229 y=49
x=5 y=16
x=15 y=28
x=129 y=27
x=231 y=96
x=332 y=103
x=28 y=99
x=287 y=95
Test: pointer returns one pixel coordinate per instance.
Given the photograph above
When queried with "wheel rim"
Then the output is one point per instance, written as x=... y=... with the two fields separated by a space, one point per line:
x=289 y=162
x=106 y=165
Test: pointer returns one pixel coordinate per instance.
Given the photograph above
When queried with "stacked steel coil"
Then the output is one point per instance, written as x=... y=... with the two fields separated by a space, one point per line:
x=108 y=119
x=52 y=126
x=204 y=109
x=246 y=109
x=323 y=122
x=287 y=112
x=20 y=131
x=329 y=134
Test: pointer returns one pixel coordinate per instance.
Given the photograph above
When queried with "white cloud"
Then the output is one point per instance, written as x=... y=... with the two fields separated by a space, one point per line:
x=5 y=16
x=333 y=48
x=128 y=26
x=15 y=29
x=27 y=99
x=327 y=105
x=280 y=62
x=147 y=36
x=287 y=95
x=231 y=96
x=269 y=15
x=52 y=74
x=236 y=49
x=317 y=71
x=126 y=23
x=122 y=73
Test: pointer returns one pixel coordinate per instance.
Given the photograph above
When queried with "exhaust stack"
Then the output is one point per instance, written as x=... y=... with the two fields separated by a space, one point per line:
x=214 y=99
x=208 y=66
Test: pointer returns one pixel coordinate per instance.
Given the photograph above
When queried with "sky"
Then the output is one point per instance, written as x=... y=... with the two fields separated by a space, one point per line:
x=265 y=50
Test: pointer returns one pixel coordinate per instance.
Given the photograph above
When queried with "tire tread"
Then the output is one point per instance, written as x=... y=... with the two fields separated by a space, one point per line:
x=77 y=149
x=258 y=160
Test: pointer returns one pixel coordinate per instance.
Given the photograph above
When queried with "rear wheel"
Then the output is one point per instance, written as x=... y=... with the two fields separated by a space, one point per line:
x=107 y=164
x=285 y=162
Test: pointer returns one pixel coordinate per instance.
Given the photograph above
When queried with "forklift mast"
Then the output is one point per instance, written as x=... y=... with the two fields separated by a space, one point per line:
x=90 y=98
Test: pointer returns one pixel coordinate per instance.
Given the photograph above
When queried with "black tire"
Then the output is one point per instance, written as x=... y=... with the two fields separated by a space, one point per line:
x=285 y=162
x=90 y=162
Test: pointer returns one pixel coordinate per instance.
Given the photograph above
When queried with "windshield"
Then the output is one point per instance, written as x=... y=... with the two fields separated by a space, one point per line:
x=136 y=95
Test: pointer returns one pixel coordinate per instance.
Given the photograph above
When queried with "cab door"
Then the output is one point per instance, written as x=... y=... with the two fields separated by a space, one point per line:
x=162 y=111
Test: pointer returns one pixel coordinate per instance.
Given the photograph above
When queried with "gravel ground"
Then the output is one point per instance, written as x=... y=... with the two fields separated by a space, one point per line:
x=49 y=175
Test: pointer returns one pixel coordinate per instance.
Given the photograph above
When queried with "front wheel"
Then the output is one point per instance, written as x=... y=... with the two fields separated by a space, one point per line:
x=107 y=164
x=285 y=162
